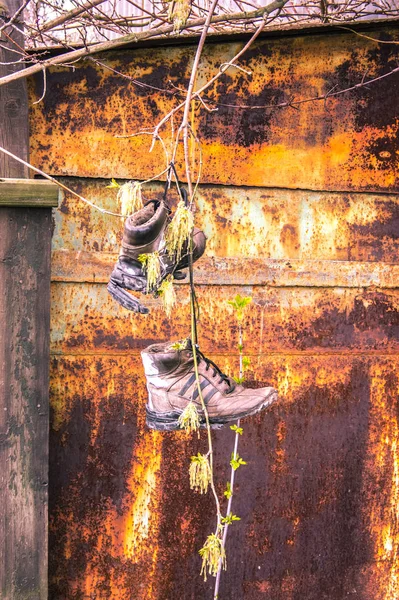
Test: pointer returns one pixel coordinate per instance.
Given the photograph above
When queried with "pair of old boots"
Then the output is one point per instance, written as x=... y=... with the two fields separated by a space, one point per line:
x=143 y=235
x=169 y=367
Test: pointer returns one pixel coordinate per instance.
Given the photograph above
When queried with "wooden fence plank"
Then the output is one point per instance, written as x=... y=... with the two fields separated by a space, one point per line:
x=28 y=192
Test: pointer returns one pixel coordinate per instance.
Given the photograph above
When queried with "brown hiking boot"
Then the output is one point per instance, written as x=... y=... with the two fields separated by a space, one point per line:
x=144 y=234
x=172 y=385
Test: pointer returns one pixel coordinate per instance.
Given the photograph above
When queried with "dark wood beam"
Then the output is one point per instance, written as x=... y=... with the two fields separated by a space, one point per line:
x=25 y=243
x=25 y=236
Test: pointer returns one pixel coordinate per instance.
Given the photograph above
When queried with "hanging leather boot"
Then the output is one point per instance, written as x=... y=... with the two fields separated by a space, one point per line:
x=143 y=235
x=171 y=385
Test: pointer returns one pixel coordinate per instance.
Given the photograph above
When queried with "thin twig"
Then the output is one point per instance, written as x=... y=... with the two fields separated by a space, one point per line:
x=237 y=67
x=207 y=108
x=64 y=187
x=187 y=104
x=204 y=409
x=44 y=87
x=295 y=103
x=15 y=16
x=135 y=37
x=367 y=37
x=232 y=472
x=134 y=81
x=228 y=64
x=70 y=15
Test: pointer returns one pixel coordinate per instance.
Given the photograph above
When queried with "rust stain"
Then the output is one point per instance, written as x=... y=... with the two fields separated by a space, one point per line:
x=86 y=319
x=383 y=460
x=319 y=497
x=280 y=454
x=348 y=142
x=130 y=535
x=147 y=463
x=331 y=509
x=115 y=514
x=250 y=223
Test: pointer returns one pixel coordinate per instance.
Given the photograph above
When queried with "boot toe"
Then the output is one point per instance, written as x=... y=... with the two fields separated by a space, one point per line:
x=125 y=299
x=246 y=403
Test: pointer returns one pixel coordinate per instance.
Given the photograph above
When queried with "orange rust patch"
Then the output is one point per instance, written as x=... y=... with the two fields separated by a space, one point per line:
x=348 y=142
x=335 y=498
x=318 y=497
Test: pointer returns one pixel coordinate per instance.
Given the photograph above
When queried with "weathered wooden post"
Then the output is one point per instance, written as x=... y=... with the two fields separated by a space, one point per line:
x=25 y=237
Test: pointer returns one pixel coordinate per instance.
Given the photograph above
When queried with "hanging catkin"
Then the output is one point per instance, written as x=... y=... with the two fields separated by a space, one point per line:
x=179 y=230
x=151 y=265
x=168 y=294
x=129 y=196
x=178 y=13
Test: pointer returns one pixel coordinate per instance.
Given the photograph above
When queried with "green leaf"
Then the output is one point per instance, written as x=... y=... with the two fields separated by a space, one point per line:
x=239 y=379
x=179 y=345
x=228 y=491
x=236 y=461
x=246 y=361
x=229 y=519
x=239 y=303
x=113 y=184
x=238 y=430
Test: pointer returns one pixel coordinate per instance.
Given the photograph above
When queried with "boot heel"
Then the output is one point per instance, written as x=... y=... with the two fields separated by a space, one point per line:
x=170 y=421
x=162 y=422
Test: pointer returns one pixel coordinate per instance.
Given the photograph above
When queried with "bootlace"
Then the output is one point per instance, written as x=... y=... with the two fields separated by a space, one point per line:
x=217 y=372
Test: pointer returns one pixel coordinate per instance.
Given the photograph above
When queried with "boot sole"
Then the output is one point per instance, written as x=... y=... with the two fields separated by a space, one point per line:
x=125 y=299
x=170 y=421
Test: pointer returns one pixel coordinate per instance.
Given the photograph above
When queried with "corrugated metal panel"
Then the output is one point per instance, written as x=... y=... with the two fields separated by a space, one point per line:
x=347 y=142
x=278 y=224
x=319 y=496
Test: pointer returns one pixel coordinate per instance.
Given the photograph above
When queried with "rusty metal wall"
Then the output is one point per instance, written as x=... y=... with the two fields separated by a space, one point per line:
x=348 y=142
x=313 y=238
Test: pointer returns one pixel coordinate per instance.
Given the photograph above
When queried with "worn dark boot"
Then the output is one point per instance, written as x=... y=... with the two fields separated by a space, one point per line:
x=144 y=234
x=171 y=385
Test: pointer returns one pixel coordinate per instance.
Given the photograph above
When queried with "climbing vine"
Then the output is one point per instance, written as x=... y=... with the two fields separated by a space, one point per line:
x=239 y=305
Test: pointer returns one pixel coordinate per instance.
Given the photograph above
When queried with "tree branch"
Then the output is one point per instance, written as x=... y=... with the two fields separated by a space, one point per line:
x=222 y=69
x=15 y=16
x=136 y=37
x=194 y=71
x=69 y=15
